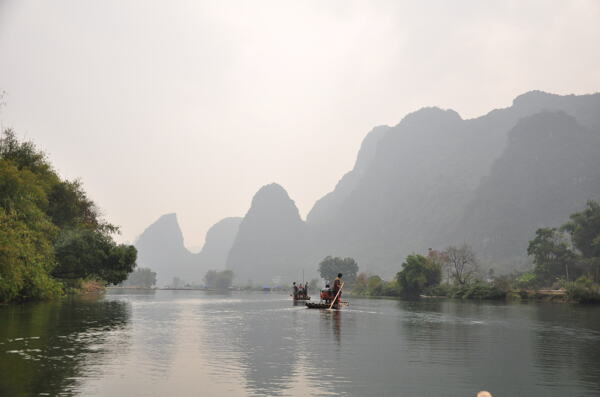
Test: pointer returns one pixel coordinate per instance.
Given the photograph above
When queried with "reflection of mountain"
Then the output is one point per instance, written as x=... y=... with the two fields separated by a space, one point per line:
x=160 y=247
x=244 y=334
x=156 y=327
x=47 y=346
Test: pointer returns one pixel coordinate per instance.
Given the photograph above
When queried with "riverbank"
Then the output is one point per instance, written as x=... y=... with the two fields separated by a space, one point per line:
x=542 y=295
x=85 y=287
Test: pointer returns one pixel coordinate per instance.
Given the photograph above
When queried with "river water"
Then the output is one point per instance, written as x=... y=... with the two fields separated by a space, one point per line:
x=192 y=343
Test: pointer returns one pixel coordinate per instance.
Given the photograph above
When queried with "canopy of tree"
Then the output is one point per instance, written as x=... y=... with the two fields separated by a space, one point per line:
x=218 y=280
x=418 y=273
x=571 y=251
x=331 y=266
x=50 y=231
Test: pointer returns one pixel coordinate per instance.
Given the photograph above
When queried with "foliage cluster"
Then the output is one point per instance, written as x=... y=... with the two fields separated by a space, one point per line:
x=583 y=290
x=218 y=280
x=571 y=252
x=478 y=290
x=49 y=229
x=375 y=286
x=422 y=275
x=417 y=274
x=141 y=277
x=331 y=266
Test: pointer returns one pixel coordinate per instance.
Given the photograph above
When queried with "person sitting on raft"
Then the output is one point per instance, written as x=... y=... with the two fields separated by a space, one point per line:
x=326 y=294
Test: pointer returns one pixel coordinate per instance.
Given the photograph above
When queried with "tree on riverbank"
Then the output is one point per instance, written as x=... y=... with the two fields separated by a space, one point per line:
x=462 y=264
x=50 y=231
x=141 y=277
x=375 y=286
x=552 y=255
x=218 y=280
x=329 y=268
x=561 y=258
x=584 y=229
x=574 y=254
x=418 y=273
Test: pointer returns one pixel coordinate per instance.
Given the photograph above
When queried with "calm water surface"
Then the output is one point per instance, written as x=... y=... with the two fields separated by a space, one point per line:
x=190 y=343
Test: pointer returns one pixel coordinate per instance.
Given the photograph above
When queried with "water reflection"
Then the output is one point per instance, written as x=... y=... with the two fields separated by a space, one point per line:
x=190 y=343
x=258 y=337
x=45 y=348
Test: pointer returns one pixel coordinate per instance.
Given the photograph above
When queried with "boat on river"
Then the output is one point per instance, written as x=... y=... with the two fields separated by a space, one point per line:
x=325 y=305
x=327 y=297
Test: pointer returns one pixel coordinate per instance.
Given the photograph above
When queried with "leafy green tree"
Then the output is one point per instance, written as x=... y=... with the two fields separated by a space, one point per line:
x=360 y=286
x=375 y=286
x=26 y=256
x=49 y=229
x=417 y=274
x=25 y=155
x=584 y=228
x=26 y=252
x=331 y=266
x=86 y=253
x=69 y=207
x=551 y=254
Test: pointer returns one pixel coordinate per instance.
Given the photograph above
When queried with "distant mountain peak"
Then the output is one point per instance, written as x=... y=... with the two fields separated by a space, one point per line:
x=272 y=189
x=271 y=238
x=273 y=198
x=431 y=114
x=532 y=97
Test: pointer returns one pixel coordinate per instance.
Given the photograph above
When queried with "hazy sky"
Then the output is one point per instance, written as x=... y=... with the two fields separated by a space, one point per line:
x=191 y=106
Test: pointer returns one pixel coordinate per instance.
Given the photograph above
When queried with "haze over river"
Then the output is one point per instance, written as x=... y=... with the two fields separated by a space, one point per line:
x=192 y=343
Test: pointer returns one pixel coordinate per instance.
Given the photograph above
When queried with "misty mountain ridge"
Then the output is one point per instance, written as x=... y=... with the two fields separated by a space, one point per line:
x=432 y=180
x=161 y=248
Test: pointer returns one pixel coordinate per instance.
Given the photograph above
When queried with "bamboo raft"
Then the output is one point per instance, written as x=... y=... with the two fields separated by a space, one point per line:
x=322 y=305
x=325 y=305
x=317 y=305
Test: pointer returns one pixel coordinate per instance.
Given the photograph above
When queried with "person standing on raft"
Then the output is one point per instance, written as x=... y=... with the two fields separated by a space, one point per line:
x=295 y=290
x=337 y=286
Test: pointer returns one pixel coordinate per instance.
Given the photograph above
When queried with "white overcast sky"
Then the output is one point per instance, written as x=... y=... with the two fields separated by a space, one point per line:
x=191 y=106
